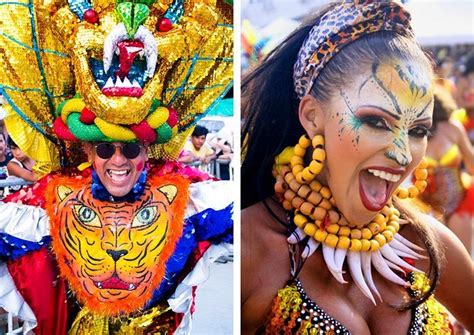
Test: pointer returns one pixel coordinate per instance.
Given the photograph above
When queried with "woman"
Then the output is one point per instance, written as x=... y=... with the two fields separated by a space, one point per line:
x=447 y=149
x=364 y=101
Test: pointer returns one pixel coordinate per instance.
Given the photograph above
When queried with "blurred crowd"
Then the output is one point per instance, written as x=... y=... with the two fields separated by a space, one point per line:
x=16 y=168
x=210 y=152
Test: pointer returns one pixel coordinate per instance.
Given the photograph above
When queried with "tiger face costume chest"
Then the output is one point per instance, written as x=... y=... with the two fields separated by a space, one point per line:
x=113 y=254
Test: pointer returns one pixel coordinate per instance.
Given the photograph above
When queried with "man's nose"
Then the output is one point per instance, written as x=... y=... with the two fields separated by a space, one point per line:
x=118 y=155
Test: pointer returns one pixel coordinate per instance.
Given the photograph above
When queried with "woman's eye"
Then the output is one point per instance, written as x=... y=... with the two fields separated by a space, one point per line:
x=420 y=132
x=375 y=122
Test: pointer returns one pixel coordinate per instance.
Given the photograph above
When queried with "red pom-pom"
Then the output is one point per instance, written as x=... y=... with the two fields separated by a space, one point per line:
x=144 y=132
x=91 y=16
x=172 y=118
x=164 y=24
x=87 y=117
x=62 y=130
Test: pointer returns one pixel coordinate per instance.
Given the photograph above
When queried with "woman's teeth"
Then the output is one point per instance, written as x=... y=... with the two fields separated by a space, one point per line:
x=385 y=175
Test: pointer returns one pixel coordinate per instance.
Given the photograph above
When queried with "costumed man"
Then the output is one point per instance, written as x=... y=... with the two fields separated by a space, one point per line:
x=118 y=245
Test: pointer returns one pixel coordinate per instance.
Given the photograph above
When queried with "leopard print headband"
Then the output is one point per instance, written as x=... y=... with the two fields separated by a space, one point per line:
x=340 y=26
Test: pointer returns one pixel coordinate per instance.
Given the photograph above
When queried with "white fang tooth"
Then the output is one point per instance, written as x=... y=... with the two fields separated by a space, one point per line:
x=109 y=83
x=118 y=33
x=403 y=240
x=150 y=48
x=136 y=84
x=382 y=268
x=310 y=248
x=353 y=259
x=339 y=257
x=367 y=271
x=141 y=54
x=119 y=82
x=389 y=254
x=127 y=83
x=117 y=51
x=328 y=253
x=402 y=247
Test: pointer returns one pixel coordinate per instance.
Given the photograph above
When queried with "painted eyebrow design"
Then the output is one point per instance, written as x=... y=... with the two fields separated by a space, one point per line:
x=395 y=116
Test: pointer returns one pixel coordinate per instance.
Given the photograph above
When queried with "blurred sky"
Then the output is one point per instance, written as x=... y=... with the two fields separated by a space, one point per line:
x=434 y=21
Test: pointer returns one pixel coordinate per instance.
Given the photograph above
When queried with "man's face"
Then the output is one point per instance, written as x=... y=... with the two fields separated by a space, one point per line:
x=117 y=173
x=198 y=141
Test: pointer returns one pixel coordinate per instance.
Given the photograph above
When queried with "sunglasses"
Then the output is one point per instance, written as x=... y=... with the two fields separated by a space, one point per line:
x=107 y=150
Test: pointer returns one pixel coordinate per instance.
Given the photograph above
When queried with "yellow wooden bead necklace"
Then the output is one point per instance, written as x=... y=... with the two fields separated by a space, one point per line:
x=315 y=210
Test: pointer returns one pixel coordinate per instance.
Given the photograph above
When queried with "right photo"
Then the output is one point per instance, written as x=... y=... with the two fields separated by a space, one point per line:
x=357 y=188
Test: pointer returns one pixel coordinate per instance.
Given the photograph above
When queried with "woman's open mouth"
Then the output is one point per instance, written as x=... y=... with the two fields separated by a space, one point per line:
x=376 y=184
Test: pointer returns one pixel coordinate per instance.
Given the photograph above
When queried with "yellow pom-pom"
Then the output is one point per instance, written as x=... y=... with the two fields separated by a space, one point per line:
x=343 y=242
x=116 y=132
x=331 y=240
x=356 y=245
x=158 y=117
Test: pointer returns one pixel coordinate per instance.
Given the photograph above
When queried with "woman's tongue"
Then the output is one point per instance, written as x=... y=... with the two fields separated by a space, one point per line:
x=373 y=191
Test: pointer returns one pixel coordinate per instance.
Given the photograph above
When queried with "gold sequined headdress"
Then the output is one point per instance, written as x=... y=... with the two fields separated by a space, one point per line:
x=111 y=71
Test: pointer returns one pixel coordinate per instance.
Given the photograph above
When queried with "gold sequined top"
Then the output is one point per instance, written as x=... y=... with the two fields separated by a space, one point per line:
x=293 y=312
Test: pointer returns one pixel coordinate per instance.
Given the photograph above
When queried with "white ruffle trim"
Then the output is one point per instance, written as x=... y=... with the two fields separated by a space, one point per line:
x=182 y=299
x=25 y=222
x=209 y=194
x=12 y=301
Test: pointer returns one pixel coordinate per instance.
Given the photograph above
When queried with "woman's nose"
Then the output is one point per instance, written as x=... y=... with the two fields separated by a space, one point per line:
x=399 y=149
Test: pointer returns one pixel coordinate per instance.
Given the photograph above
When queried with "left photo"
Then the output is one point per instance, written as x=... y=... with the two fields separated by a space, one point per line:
x=116 y=162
